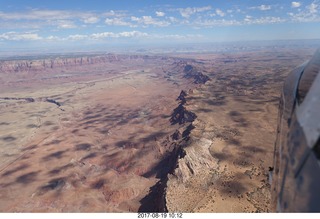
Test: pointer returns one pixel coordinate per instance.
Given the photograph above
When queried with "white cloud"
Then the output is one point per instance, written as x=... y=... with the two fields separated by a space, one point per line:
x=194 y=17
x=28 y=36
x=102 y=35
x=173 y=19
x=177 y=36
x=130 y=34
x=22 y=25
x=148 y=20
x=313 y=8
x=117 y=22
x=91 y=20
x=265 y=20
x=262 y=7
x=133 y=18
x=36 y=14
x=220 y=12
x=65 y=24
x=262 y=20
x=77 y=37
x=215 y=23
x=53 y=38
x=187 y=12
x=112 y=13
x=20 y=36
x=309 y=14
x=138 y=34
x=248 y=18
x=295 y=4
x=60 y=18
x=160 y=13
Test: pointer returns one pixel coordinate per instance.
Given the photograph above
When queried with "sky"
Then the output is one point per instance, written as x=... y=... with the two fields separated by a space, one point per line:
x=62 y=23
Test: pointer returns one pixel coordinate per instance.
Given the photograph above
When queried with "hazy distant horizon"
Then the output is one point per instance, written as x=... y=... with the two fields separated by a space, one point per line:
x=191 y=47
x=66 y=25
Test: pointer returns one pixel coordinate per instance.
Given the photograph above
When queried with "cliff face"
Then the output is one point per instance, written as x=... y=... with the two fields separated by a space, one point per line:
x=48 y=64
x=197 y=76
x=224 y=162
x=188 y=161
x=212 y=156
x=51 y=63
x=191 y=161
x=180 y=114
x=188 y=182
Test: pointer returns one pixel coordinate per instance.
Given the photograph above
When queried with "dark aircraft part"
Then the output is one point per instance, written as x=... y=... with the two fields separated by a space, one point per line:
x=296 y=173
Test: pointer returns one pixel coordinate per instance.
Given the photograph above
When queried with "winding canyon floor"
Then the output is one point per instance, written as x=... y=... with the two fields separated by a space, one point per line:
x=113 y=137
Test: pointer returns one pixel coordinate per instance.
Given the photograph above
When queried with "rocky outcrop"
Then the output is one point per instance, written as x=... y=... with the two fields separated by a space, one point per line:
x=53 y=101
x=31 y=100
x=194 y=162
x=156 y=200
x=182 y=96
x=189 y=181
x=33 y=64
x=190 y=72
x=176 y=135
x=26 y=99
x=180 y=114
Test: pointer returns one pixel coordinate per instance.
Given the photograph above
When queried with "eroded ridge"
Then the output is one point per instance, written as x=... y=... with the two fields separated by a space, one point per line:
x=224 y=163
x=128 y=133
x=107 y=146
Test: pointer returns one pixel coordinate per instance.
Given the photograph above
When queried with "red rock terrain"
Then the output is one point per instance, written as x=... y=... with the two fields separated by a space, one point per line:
x=98 y=142
x=128 y=133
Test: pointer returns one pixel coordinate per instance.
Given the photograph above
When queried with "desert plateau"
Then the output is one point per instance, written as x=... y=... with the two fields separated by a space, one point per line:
x=141 y=132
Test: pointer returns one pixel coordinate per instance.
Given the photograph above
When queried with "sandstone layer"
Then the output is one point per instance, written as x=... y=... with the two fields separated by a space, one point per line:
x=128 y=133
x=224 y=163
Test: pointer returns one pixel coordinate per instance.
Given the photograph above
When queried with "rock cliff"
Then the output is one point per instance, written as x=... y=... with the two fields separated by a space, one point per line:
x=197 y=76
x=64 y=62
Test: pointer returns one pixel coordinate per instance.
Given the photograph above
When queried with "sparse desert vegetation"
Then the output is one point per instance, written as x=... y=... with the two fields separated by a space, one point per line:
x=188 y=132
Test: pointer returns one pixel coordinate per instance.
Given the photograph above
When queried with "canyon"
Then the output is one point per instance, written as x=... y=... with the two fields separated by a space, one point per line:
x=189 y=132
